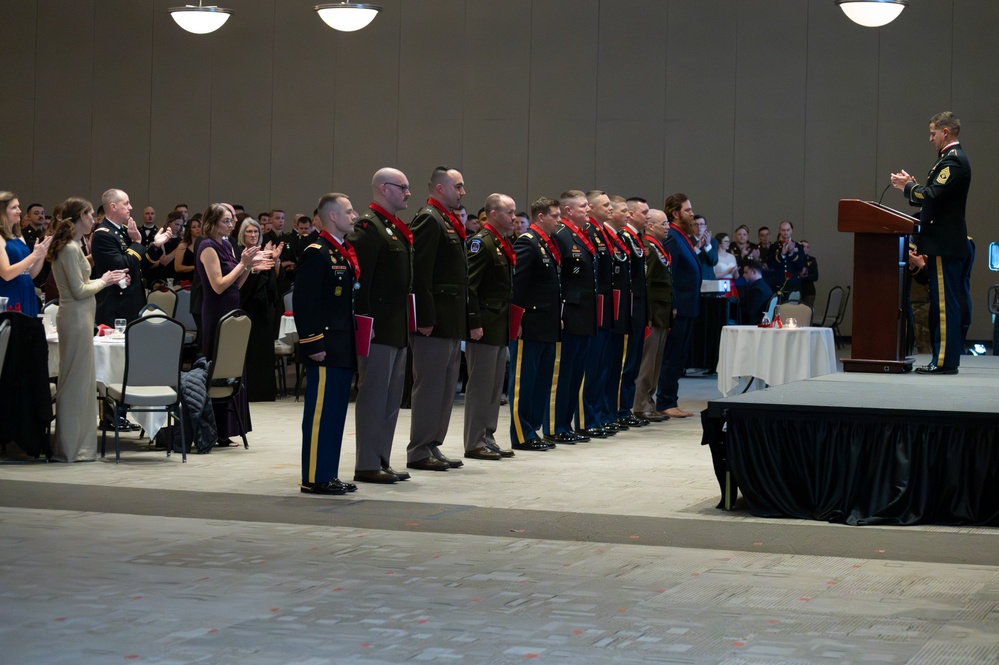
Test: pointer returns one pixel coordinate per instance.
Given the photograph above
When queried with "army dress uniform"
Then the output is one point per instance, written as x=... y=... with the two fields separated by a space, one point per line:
x=594 y=407
x=384 y=248
x=579 y=320
x=440 y=283
x=324 y=316
x=659 y=289
x=490 y=287
x=943 y=238
x=112 y=249
x=634 y=341
x=622 y=301
x=532 y=356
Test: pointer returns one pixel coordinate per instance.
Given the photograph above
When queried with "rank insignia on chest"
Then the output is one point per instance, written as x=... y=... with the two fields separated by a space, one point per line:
x=943 y=176
x=338 y=291
x=575 y=250
x=542 y=250
x=475 y=246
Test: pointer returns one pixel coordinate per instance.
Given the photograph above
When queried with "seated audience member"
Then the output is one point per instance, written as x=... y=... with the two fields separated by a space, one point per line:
x=755 y=295
x=18 y=264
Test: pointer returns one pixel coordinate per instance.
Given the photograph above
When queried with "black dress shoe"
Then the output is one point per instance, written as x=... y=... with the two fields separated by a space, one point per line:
x=350 y=487
x=615 y=427
x=533 y=444
x=633 y=421
x=399 y=475
x=376 y=476
x=428 y=464
x=565 y=437
x=482 y=453
x=593 y=433
x=496 y=449
x=936 y=369
x=323 y=488
x=453 y=463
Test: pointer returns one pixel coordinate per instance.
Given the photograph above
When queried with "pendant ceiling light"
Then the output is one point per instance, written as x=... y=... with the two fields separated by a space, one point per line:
x=872 y=13
x=347 y=16
x=200 y=19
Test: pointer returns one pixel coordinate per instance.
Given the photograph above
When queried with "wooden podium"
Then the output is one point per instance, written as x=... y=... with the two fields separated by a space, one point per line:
x=880 y=257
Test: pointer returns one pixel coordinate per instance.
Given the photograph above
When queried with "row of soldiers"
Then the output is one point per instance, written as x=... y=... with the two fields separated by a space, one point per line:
x=577 y=307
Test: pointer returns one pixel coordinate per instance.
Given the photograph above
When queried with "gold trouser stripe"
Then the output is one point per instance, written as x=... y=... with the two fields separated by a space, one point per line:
x=551 y=401
x=942 y=309
x=515 y=397
x=317 y=415
x=582 y=407
x=620 y=383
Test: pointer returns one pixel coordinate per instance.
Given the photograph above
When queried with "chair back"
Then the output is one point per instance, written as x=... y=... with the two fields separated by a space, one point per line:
x=772 y=305
x=832 y=307
x=288 y=307
x=182 y=311
x=152 y=352
x=842 y=308
x=149 y=309
x=163 y=298
x=4 y=340
x=799 y=311
x=232 y=336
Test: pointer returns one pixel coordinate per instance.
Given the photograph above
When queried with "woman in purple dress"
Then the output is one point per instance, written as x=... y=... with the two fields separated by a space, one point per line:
x=221 y=276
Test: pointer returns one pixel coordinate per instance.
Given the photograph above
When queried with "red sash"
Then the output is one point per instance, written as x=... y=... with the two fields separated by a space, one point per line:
x=346 y=251
x=582 y=236
x=400 y=226
x=504 y=243
x=660 y=247
x=611 y=234
x=448 y=215
x=552 y=247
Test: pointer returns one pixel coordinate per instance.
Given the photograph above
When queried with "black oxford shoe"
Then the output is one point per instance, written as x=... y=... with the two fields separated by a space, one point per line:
x=323 y=488
x=532 y=444
x=936 y=369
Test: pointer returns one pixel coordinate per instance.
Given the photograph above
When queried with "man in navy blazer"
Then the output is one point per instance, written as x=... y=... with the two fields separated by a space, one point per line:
x=686 y=269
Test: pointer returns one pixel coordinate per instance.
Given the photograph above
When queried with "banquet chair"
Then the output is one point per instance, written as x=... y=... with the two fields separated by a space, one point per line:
x=182 y=312
x=152 y=380
x=799 y=311
x=163 y=298
x=283 y=352
x=225 y=375
x=771 y=306
x=832 y=308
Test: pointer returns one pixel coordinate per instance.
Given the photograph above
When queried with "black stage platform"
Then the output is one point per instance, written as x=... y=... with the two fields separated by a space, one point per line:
x=865 y=448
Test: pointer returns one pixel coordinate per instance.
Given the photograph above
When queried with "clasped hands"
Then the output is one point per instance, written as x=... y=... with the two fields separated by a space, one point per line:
x=901 y=179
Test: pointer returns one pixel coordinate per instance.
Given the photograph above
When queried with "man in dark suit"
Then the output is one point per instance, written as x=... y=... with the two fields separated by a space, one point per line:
x=943 y=238
x=384 y=247
x=659 y=287
x=579 y=314
x=440 y=284
x=707 y=248
x=686 y=271
x=490 y=286
x=755 y=296
x=532 y=356
x=116 y=245
x=324 y=316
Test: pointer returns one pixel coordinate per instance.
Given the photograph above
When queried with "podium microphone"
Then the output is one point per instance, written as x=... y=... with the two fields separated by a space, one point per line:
x=884 y=192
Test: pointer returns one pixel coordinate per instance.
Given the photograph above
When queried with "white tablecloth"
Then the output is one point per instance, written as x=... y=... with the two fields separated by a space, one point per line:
x=109 y=365
x=774 y=355
x=287 y=332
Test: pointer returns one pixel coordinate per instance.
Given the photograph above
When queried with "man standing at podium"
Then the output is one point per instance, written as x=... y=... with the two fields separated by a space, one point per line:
x=943 y=238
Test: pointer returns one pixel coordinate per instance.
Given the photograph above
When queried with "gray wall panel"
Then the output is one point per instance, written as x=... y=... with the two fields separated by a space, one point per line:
x=123 y=63
x=64 y=105
x=180 y=116
x=563 y=97
x=17 y=62
x=367 y=107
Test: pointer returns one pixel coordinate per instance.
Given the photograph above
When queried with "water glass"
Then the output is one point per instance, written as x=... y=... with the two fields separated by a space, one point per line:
x=119 y=326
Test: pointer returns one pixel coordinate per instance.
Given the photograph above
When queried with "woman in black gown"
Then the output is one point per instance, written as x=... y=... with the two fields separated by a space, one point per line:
x=258 y=297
